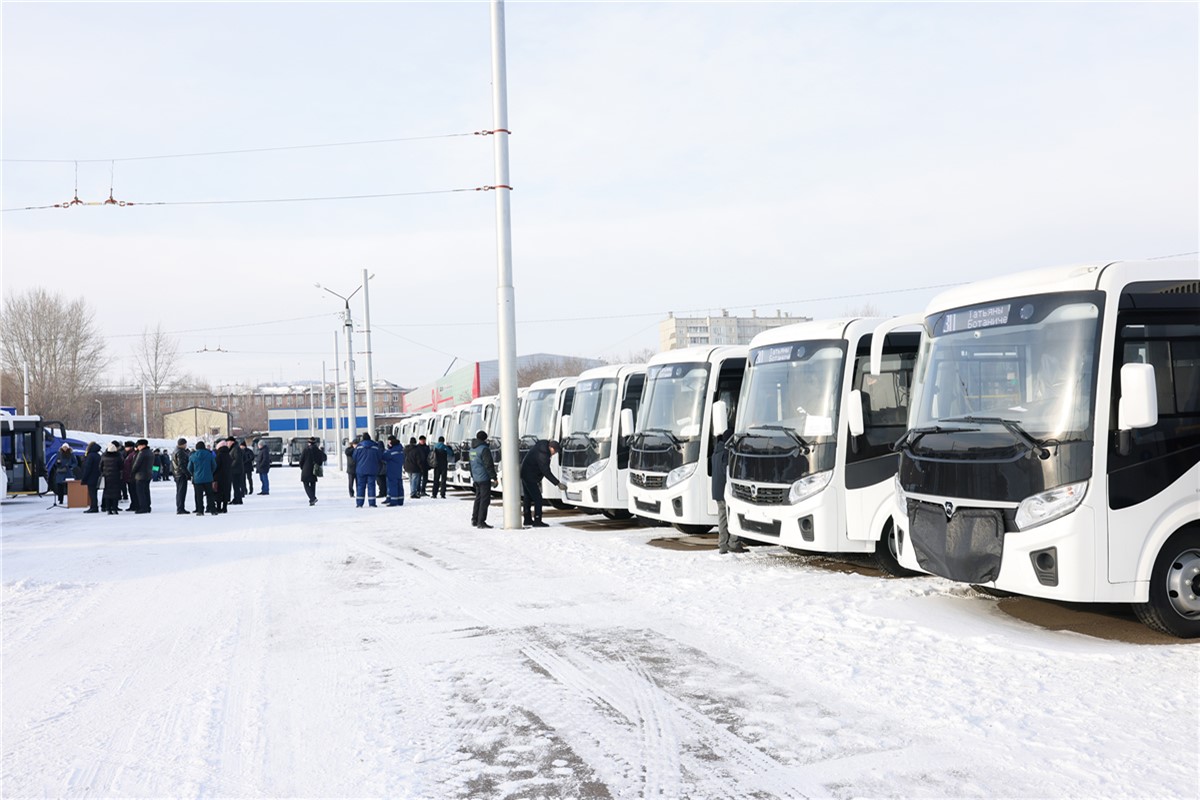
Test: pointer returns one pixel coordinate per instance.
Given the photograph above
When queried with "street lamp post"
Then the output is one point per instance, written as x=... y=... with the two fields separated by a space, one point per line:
x=101 y=431
x=370 y=371
x=351 y=389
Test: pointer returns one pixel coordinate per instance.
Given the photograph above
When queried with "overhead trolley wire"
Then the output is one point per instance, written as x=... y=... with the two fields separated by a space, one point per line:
x=247 y=150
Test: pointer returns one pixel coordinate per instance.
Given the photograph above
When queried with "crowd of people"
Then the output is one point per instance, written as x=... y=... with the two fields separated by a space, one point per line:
x=223 y=475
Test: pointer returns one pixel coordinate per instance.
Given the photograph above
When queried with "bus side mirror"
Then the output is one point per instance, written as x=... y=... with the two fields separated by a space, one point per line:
x=720 y=417
x=854 y=413
x=626 y=421
x=1138 y=407
x=566 y=425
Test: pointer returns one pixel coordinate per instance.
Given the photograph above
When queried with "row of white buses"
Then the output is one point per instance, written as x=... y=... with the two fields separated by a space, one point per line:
x=1037 y=434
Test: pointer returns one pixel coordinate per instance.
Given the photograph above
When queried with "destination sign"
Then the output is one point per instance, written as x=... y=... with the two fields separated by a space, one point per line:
x=974 y=318
x=771 y=355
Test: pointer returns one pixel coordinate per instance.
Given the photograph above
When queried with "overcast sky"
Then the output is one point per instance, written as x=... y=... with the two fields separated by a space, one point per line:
x=686 y=157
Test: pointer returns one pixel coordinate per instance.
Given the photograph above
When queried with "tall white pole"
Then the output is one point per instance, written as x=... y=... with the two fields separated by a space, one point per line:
x=507 y=319
x=145 y=416
x=25 y=371
x=370 y=372
x=324 y=413
x=337 y=401
x=352 y=389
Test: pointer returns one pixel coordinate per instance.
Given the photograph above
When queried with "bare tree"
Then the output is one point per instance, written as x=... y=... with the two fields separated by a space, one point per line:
x=60 y=343
x=865 y=310
x=156 y=359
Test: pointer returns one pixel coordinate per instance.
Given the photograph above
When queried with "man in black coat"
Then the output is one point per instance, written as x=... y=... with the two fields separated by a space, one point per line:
x=720 y=474
x=350 y=466
x=423 y=446
x=90 y=477
x=142 y=473
x=221 y=476
x=414 y=465
x=534 y=467
x=247 y=465
x=183 y=476
x=237 y=472
x=310 y=462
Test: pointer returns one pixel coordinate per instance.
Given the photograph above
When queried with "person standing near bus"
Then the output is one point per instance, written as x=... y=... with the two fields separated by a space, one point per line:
x=179 y=469
x=310 y=470
x=90 y=477
x=441 y=463
x=393 y=459
x=483 y=477
x=367 y=459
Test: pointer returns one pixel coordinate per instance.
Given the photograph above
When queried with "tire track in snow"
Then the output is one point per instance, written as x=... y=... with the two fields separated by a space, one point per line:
x=652 y=718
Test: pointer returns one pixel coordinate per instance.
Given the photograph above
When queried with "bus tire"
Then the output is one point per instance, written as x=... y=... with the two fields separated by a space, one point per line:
x=885 y=554
x=1174 y=604
x=692 y=530
x=617 y=513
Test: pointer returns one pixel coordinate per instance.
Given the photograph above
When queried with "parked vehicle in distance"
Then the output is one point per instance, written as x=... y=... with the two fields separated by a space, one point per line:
x=1053 y=446
x=670 y=474
x=274 y=447
x=595 y=455
x=810 y=464
x=481 y=415
x=26 y=442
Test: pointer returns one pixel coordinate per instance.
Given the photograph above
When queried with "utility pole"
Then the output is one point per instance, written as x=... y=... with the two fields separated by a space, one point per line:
x=324 y=413
x=337 y=401
x=370 y=372
x=351 y=389
x=101 y=431
x=507 y=318
x=25 y=373
x=145 y=415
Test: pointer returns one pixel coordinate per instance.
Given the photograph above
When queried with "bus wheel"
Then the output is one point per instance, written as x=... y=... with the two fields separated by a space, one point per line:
x=616 y=513
x=886 y=557
x=692 y=530
x=1174 y=604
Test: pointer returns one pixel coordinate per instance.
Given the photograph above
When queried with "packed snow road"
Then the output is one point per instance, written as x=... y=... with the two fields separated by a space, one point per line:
x=283 y=650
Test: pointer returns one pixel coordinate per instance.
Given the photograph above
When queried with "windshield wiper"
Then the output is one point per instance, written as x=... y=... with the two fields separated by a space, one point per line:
x=914 y=435
x=675 y=440
x=1033 y=444
x=805 y=445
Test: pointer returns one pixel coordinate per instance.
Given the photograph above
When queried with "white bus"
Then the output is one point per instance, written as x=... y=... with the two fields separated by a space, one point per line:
x=670 y=474
x=810 y=464
x=595 y=454
x=1053 y=446
x=546 y=403
x=481 y=414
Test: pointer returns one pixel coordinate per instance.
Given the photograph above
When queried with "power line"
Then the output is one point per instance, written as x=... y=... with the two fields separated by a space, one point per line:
x=245 y=150
x=123 y=203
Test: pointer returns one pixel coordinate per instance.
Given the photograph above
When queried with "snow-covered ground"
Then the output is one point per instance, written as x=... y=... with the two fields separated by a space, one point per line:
x=288 y=651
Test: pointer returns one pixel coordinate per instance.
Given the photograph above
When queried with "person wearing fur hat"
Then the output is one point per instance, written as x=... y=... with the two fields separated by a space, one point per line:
x=111 y=464
x=61 y=468
x=143 y=473
x=90 y=476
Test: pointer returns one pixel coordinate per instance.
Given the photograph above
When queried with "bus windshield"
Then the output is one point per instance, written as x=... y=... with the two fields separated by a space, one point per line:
x=673 y=403
x=537 y=414
x=795 y=387
x=592 y=414
x=1030 y=362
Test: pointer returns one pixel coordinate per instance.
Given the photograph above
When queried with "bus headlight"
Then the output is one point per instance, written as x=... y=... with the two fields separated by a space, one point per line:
x=898 y=489
x=595 y=468
x=1048 y=505
x=809 y=485
x=680 y=474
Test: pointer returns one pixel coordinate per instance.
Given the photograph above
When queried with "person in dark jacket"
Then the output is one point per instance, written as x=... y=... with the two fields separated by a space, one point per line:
x=483 y=477
x=413 y=466
x=111 y=464
x=221 y=476
x=534 y=467
x=127 y=490
x=423 y=446
x=247 y=465
x=720 y=472
x=183 y=478
x=367 y=457
x=393 y=459
x=262 y=465
x=90 y=476
x=237 y=472
x=202 y=465
x=310 y=464
x=142 y=473
x=442 y=455
x=61 y=468
x=350 y=472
